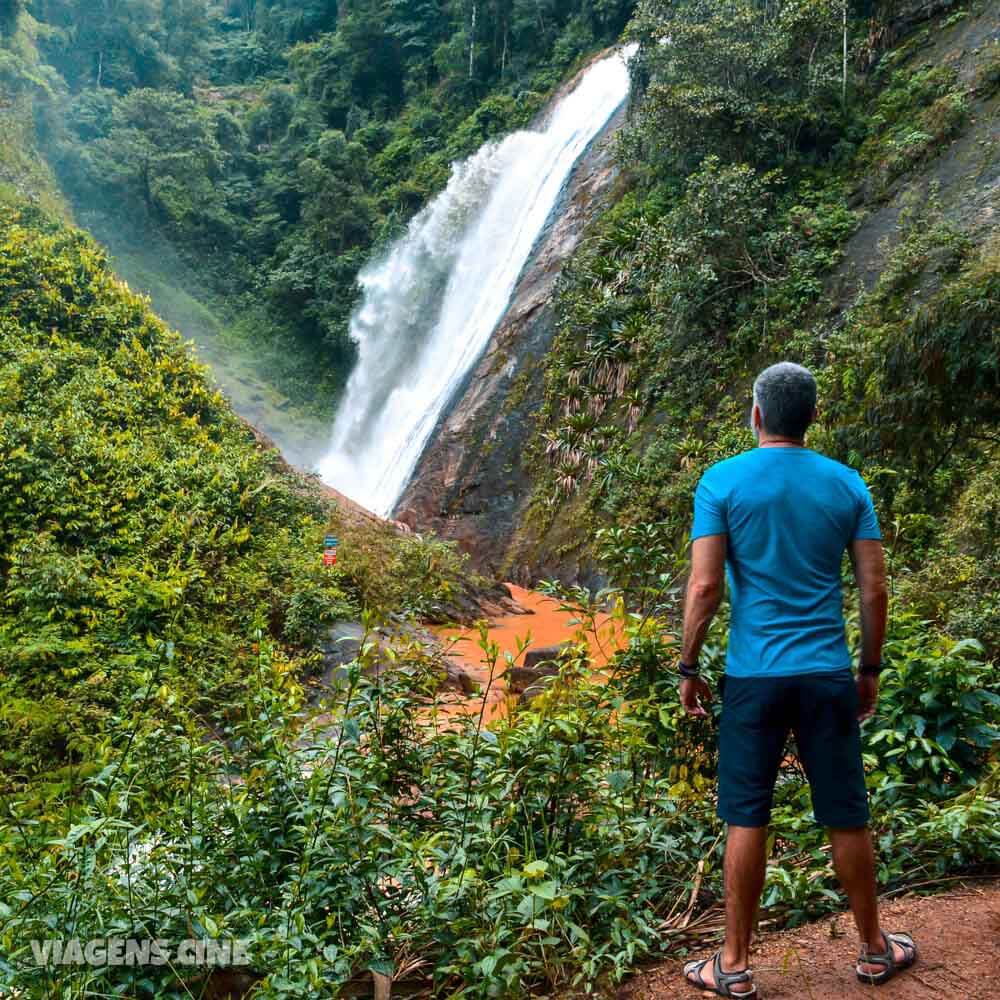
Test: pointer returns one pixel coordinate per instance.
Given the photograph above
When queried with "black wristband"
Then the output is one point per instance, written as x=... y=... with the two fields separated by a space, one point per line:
x=687 y=670
x=870 y=669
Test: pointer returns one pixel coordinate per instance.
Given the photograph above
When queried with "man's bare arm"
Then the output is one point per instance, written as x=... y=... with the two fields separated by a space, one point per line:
x=869 y=572
x=868 y=560
x=704 y=593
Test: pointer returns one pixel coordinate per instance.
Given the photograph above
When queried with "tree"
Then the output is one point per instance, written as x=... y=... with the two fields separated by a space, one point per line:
x=360 y=65
x=106 y=43
x=746 y=81
x=185 y=26
x=298 y=21
x=159 y=142
x=245 y=11
x=335 y=208
x=418 y=27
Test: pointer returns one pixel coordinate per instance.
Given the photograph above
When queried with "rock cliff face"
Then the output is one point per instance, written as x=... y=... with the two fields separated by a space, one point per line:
x=472 y=483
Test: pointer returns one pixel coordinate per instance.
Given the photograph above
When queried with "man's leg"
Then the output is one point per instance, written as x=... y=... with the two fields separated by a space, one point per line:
x=829 y=742
x=746 y=865
x=752 y=736
x=854 y=861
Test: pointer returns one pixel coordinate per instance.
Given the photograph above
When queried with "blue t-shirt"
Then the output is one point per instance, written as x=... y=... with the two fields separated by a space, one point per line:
x=789 y=514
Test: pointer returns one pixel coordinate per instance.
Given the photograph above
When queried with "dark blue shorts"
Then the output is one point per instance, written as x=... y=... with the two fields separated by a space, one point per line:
x=758 y=713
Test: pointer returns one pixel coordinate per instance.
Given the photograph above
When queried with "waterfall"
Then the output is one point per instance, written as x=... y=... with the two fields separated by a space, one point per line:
x=431 y=303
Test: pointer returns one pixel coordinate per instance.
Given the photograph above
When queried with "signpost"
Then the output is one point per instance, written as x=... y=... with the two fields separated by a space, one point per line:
x=330 y=544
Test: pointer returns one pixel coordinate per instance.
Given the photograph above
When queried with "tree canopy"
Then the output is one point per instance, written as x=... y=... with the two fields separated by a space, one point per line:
x=277 y=144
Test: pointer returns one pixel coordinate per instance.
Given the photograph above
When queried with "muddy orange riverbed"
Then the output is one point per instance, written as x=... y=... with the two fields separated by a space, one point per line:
x=546 y=624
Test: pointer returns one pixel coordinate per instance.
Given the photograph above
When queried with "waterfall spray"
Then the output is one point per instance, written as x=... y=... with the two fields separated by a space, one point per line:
x=430 y=305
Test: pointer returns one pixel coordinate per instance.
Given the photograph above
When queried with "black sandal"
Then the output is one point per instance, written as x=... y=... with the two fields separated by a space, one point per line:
x=886 y=960
x=724 y=981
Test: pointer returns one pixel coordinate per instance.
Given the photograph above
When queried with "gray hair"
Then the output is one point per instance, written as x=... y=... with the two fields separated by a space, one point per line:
x=786 y=396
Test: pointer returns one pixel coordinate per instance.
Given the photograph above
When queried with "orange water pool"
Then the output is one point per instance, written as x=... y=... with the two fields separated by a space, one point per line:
x=548 y=624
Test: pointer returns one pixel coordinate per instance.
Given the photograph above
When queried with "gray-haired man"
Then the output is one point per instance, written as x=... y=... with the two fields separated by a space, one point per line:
x=779 y=518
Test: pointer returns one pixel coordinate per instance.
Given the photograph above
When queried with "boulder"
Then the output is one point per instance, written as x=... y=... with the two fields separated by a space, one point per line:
x=457 y=678
x=343 y=642
x=528 y=681
x=542 y=655
x=340 y=647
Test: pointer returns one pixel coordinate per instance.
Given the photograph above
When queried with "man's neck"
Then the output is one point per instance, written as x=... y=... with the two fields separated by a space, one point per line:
x=776 y=441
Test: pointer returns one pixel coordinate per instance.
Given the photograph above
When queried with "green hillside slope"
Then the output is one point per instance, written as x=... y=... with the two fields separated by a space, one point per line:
x=143 y=531
x=861 y=241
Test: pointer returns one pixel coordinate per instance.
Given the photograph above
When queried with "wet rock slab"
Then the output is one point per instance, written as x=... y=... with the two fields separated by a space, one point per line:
x=529 y=680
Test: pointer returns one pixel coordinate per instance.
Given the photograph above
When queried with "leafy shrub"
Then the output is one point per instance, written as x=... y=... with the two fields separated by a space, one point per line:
x=966 y=829
x=137 y=509
x=547 y=852
x=956 y=584
x=34 y=733
x=533 y=853
x=938 y=712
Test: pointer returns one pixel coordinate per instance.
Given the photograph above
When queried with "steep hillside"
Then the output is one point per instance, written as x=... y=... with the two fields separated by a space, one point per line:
x=144 y=532
x=870 y=255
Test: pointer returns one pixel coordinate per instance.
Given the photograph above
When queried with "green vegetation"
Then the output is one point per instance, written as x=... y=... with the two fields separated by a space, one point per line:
x=23 y=78
x=750 y=85
x=913 y=116
x=713 y=266
x=161 y=603
x=548 y=852
x=141 y=516
x=732 y=249
x=275 y=145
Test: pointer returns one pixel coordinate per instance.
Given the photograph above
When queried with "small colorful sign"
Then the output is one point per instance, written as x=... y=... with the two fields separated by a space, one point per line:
x=330 y=544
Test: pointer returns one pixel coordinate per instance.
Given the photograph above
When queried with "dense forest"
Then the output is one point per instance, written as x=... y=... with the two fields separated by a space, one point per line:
x=177 y=764
x=274 y=144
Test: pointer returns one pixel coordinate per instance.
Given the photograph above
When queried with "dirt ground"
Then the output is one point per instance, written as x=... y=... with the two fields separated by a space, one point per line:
x=957 y=933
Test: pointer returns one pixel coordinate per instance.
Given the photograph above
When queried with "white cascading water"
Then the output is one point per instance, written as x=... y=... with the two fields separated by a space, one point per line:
x=430 y=305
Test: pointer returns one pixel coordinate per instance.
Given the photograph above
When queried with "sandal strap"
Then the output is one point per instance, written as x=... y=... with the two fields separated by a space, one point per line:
x=695 y=969
x=724 y=981
x=887 y=959
x=903 y=940
x=883 y=961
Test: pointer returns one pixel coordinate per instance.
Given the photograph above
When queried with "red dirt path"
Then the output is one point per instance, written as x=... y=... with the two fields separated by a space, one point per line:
x=958 y=935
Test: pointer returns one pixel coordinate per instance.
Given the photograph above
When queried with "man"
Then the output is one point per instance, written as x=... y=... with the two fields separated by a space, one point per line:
x=779 y=518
